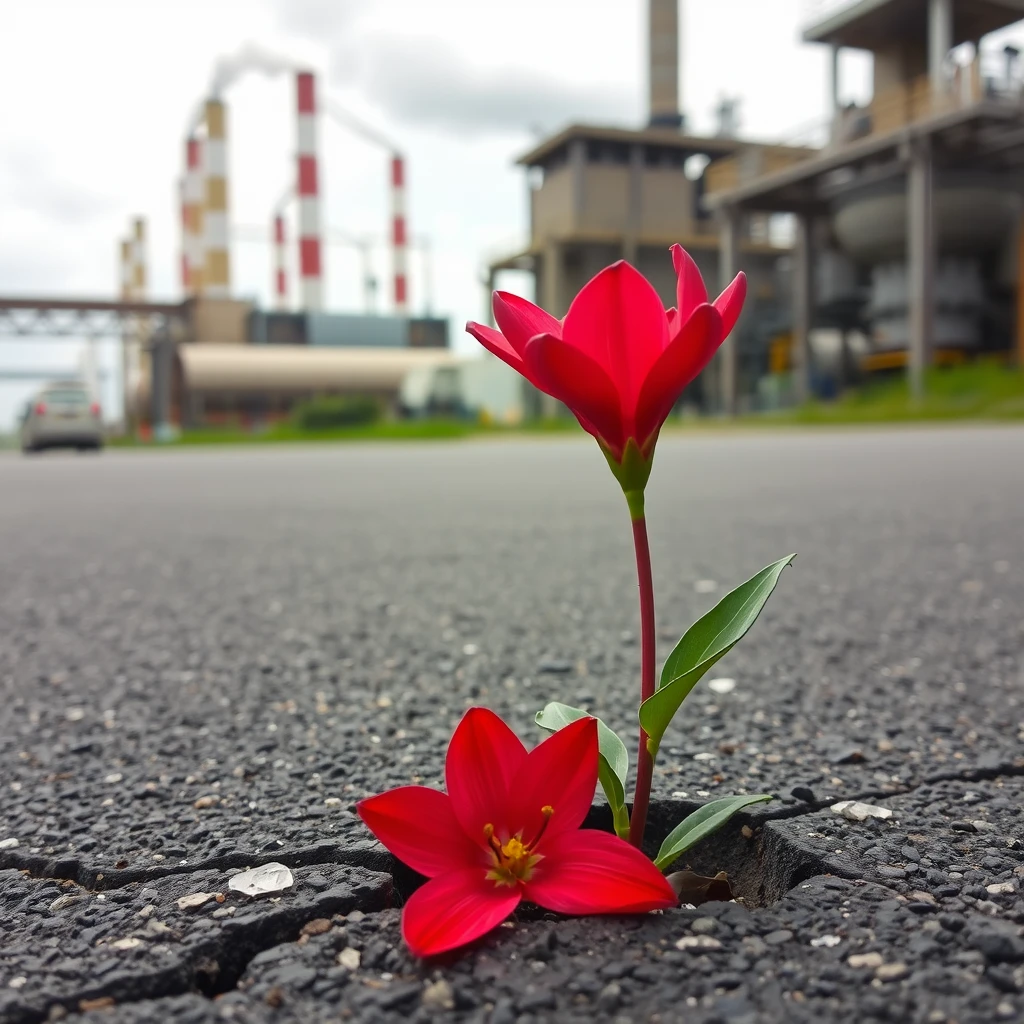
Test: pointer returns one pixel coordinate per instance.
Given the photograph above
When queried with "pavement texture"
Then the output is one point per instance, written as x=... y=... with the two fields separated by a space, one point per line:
x=207 y=657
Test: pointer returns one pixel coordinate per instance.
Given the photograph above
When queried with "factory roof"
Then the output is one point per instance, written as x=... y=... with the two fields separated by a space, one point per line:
x=874 y=24
x=668 y=138
x=295 y=369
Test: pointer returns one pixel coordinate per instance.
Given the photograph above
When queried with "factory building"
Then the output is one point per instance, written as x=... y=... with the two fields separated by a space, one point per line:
x=902 y=233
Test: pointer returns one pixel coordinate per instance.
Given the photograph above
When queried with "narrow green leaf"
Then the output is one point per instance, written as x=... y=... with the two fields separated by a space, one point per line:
x=705 y=820
x=613 y=764
x=711 y=637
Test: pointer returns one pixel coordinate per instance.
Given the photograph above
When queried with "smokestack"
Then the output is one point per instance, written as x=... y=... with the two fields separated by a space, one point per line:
x=138 y=258
x=216 y=278
x=280 y=265
x=192 y=218
x=399 y=237
x=663 y=63
x=308 y=192
x=126 y=270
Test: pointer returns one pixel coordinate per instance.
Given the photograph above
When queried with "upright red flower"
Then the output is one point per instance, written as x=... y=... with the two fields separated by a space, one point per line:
x=618 y=360
x=509 y=830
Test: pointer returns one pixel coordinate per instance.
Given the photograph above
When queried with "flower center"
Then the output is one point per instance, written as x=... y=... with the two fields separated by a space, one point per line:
x=513 y=861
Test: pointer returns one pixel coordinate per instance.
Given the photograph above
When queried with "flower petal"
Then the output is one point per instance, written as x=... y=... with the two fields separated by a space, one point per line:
x=561 y=772
x=419 y=827
x=453 y=909
x=687 y=354
x=690 y=290
x=496 y=343
x=484 y=756
x=591 y=872
x=520 y=320
x=573 y=377
x=730 y=303
x=619 y=322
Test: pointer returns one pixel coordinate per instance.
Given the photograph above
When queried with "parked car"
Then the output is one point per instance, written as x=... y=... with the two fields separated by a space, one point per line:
x=62 y=415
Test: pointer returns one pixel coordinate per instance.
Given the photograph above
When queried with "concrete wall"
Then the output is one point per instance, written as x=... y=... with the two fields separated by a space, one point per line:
x=552 y=206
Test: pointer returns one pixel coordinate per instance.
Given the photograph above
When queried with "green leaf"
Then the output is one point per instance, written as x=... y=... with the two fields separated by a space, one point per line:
x=711 y=637
x=705 y=820
x=612 y=765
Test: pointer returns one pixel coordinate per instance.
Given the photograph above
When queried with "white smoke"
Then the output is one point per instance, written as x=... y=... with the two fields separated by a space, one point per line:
x=228 y=69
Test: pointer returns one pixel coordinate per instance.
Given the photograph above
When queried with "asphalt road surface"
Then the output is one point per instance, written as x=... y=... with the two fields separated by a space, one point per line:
x=206 y=658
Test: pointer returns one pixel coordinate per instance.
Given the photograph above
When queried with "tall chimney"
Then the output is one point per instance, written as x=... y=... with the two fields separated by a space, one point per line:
x=216 y=258
x=308 y=192
x=280 y=263
x=663 y=63
x=399 y=237
x=138 y=258
x=192 y=218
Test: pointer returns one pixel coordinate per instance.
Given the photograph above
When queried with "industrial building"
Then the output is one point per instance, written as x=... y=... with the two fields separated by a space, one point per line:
x=902 y=231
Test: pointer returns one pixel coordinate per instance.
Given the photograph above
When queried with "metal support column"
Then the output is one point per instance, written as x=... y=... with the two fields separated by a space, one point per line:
x=803 y=305
x=162 y=362
x=728 y=268
x=920 y=264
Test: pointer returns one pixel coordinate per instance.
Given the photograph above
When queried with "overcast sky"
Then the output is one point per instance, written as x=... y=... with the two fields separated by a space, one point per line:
x=97 y=95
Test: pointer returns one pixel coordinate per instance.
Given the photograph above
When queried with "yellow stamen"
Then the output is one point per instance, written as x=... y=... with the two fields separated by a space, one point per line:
x=513 y=861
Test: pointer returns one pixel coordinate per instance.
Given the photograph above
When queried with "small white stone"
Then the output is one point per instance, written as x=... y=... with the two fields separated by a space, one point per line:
x=74 y=714
x=196 y=899
x=8 y=844
x=113 y=778
x=349 y=958
x=704 y=756
x=17 y=982
x=439 y=996
x=469 y=649
x=705 y=586
x=155 y=927
x=265 y=879
x=854 y=810
x=999 y=888
x=722 y=685
x=872 y=960
x=892 y=972
x=128 y=943
x=828 y=941
x=63 y=901
x=332 y=801
x=703 y=943
x=224 y=912
x=983 y=826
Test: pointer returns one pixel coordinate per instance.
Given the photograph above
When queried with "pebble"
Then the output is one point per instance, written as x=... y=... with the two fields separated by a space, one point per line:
x=1000 y=888
x=722 y=686
x=129 y=943
x=438 y=996
x=205 y=802
x=8 y=844
x=778 y=937
x=892 y=972
x=196 y=899
x=854 y=810
x=267 y=878
x=701 y=943
x=828 y=941
x=349 y=958
x=113 y=778
x=873 y=960
x=703 y=926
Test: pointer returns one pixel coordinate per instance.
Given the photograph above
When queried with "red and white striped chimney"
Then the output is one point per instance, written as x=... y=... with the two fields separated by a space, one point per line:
x=280 y=263
x=192 y=218
x=399 y=236
x=308 y=192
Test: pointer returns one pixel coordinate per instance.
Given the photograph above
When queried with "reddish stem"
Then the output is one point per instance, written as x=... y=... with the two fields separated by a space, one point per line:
x=645 y=762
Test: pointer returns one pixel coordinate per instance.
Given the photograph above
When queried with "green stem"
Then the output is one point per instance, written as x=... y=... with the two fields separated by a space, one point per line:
x=645 y=756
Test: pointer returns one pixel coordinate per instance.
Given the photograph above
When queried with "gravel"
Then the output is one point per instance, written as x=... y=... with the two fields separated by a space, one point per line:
x=208 y=657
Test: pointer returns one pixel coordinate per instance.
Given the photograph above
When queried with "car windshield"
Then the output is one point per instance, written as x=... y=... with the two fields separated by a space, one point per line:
x=67 y=396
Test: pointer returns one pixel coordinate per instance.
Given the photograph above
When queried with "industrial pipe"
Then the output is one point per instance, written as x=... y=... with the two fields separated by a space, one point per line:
x=308 y=191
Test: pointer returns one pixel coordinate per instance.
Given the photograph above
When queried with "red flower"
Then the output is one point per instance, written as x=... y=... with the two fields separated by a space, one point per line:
x=618 y=360
x=508 y=830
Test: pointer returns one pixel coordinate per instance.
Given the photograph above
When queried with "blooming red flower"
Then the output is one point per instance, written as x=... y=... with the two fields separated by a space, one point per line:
x=618 y=360
x=509 y=830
